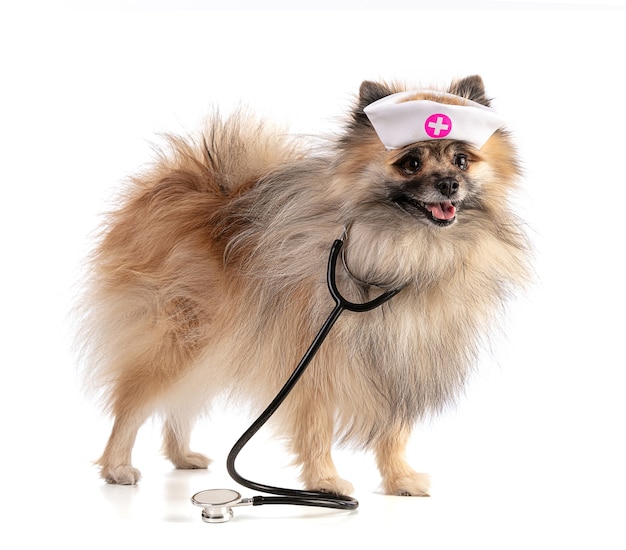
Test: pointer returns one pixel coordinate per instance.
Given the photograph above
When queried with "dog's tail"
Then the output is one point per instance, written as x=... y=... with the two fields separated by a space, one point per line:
x=148 y=291
x=232 y=153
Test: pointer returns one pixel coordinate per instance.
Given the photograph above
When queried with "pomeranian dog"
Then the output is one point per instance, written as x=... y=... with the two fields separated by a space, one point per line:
x=209 y=279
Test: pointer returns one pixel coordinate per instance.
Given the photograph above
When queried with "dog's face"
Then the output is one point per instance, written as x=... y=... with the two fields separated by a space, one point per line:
x=431 y=181
x=434 y=195
x=437 y=182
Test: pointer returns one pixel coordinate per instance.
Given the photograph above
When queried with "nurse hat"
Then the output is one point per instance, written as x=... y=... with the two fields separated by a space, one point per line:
x=400 y=119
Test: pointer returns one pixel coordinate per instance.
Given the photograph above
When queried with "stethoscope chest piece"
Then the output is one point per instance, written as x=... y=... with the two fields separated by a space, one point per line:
x=217 y=504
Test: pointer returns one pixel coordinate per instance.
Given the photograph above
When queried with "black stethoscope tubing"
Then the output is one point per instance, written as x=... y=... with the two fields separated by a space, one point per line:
x=296 y=496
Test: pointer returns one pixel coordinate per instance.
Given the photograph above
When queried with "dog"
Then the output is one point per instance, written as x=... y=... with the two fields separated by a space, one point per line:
x=208 y=278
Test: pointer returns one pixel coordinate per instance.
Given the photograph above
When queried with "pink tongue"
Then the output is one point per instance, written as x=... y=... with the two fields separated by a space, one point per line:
x=442 y=210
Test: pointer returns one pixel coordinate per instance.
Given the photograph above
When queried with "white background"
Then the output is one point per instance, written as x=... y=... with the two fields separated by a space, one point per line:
x=532 y=457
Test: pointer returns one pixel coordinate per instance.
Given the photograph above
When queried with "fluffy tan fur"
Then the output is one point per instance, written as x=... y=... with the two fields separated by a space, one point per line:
x=210 y=279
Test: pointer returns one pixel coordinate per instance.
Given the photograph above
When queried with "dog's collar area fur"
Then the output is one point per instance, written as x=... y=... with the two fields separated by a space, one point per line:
x=360 y=282
x=400 y=119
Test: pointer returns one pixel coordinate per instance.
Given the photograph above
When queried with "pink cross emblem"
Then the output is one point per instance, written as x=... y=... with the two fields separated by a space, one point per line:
x=438 y=126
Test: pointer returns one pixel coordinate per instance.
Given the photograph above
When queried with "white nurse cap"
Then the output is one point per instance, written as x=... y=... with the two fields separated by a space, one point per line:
x=400 y=120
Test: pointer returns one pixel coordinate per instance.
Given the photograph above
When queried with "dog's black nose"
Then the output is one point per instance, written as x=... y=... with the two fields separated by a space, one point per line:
x=447 y=186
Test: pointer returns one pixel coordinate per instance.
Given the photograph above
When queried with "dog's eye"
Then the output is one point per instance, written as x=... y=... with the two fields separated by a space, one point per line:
x=410 y=164
x=461 y=161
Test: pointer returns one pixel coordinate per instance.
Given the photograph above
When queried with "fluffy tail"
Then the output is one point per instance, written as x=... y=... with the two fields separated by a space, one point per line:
x=149 y=292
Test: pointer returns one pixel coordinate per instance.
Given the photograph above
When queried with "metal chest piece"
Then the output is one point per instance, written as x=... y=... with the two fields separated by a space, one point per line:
x=217 y=504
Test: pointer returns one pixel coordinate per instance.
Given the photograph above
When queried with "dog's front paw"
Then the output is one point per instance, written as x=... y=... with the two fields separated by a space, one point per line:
x=123 y=474
x=413 y=485
x=332 y=485
x=191 y=461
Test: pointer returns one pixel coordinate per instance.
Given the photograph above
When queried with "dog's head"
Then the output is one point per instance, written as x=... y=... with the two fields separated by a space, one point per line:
x=420 y=204
x=432 y=176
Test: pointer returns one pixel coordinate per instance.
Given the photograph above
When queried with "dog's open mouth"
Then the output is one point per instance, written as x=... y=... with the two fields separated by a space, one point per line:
x=440 y=213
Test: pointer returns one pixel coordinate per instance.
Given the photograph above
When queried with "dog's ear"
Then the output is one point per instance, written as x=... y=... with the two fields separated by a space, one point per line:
x=372 y=91
x=471 y=87
x=368 y=93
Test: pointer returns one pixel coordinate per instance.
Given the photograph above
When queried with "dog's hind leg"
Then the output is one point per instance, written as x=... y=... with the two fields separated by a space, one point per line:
x=115 y=463
x=132 y=401
x=176 y=436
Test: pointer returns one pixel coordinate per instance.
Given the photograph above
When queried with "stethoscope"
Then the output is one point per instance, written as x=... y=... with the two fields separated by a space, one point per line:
x=218 y=504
